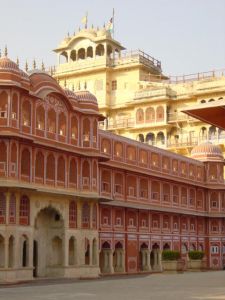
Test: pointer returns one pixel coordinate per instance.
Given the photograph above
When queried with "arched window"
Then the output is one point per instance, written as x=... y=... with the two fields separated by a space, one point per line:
x=74 y=128
x=62 y=124
x=86 y=175
x=106 y=146
x=212 y=132
x=160 y=138
x=73 y=55
x=150 y=138
x=159 y=114
x=86 y=132
x=81 y=53
x=118 y=150
x=73 y=173
x=25 y=164
x=2 y=208
x=12 y=209
x=73 y=214
x=140 y=138
x=3 y=158
x=3 y=105
x=24 y=211
x=39 y=167
x=100 y=51
x=89 y=52
x=51 y=121
x=203 y=101
x=40 y=118
x=139 y=116
x=61 y=170
x=211 y=100
x=95 y=133
x=150 y=115
x=50 y=168
x=13 y=164
x=26 y=113
x=94 y=216
x=15 y=107
x=85 y=215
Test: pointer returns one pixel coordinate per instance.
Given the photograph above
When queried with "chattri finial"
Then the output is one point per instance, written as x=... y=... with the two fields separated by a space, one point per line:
x=79 y=29
x=42 y=66
x=73 y=87
x=65 y=83
x=26 y=66
x=104 y=25
x=34 y=64
x=6 y=51
x=17 y=61
x=92 y=26
x=68 y=34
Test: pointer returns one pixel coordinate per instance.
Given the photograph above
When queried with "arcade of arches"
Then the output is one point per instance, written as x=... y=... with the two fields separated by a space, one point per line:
x=76 y=200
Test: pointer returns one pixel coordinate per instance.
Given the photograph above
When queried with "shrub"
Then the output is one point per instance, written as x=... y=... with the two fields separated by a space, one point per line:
x=196 y=254
x=170 y=255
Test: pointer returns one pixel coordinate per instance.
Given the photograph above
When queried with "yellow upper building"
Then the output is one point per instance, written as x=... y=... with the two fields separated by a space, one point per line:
x=137 y=99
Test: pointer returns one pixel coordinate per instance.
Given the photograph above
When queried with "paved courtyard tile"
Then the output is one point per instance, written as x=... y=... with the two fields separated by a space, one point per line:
x=186 y=286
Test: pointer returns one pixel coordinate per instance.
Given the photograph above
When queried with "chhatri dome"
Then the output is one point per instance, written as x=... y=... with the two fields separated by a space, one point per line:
x=207 y=152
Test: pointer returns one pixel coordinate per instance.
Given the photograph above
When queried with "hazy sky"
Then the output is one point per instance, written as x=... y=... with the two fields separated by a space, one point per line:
x=188 y=36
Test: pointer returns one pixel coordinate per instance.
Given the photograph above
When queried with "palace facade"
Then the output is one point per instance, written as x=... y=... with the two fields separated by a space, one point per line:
x=138 y=100
x=78 y=201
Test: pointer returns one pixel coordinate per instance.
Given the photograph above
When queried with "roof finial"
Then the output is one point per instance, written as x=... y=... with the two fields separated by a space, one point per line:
x=92 y=26
x=26 y=66
x=73 y=87
x=51 y=71
x=34 y=64
x=79 y=29
x=42 y=66
x=65 y=83
x=6 y=51
x=17 y=61
x=74 y=33
x=104 y=25
x=68 y=34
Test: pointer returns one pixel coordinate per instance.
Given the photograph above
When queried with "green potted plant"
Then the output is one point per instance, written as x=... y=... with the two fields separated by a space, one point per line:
x=170 y=260
x=196 y=260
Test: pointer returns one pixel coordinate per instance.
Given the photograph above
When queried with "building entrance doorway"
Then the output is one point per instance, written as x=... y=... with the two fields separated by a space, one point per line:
x=48 y=254
x=35 y=258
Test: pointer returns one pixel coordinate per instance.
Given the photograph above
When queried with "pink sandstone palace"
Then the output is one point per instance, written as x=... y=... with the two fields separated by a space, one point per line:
x=77 y=201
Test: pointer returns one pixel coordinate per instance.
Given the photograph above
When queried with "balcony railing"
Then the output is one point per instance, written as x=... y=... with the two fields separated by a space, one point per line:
x=126 y=57
x=184 y=78
x=178 y=117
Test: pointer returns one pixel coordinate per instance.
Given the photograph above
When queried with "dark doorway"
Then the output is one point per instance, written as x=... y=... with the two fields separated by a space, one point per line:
x=35 y=258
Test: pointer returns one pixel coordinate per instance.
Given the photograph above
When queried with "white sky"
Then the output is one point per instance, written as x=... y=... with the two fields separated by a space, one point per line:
x=188 y=36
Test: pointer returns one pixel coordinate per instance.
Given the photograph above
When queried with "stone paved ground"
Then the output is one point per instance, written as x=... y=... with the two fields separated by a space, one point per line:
x=186 y=286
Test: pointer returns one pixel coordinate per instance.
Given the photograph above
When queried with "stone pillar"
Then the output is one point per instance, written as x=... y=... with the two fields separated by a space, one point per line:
x=110 y=261
x=6 y=254
x=17 y=253
x=155 y=260
x=149 y=260
x=159 y=254
x=66 y=251
x=7 y=208
x=79 y=214
x=91 y=209
x=30 y=252
x=90 y=253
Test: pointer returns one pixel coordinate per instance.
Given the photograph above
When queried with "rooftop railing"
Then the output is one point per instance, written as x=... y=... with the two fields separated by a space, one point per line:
x=183 y=78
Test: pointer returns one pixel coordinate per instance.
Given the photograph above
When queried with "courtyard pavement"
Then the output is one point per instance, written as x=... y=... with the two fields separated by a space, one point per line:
x=186 y=286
